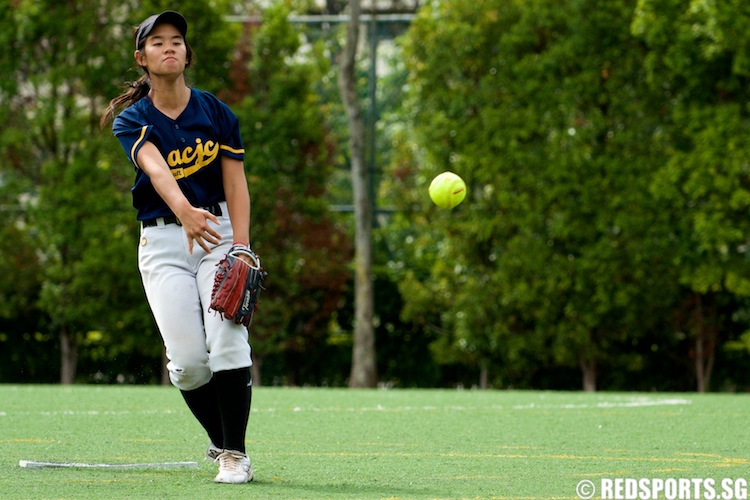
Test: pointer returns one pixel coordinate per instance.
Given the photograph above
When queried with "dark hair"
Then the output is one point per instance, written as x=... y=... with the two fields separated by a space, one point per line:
x=134 y=91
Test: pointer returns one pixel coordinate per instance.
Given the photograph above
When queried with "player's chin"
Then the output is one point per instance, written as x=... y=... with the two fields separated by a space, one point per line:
x=169 y=67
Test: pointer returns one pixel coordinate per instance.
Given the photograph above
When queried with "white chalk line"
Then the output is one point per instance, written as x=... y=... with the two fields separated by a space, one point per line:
x=628 y=403
x=32 y=464
x=93 y=413
x=637 y=402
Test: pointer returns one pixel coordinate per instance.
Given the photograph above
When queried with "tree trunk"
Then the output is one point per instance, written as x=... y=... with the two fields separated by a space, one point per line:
x=700 y=375
x=588 y=371
x=705 y=344
x=68 y=357
x=255 y=370
x=165 y=380
x=483 y=377
x=363 y=371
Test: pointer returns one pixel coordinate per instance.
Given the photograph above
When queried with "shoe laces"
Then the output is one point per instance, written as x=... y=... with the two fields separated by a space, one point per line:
x=232 y=461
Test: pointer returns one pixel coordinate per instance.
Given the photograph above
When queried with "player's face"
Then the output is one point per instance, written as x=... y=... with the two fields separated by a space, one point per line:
x=164 y=52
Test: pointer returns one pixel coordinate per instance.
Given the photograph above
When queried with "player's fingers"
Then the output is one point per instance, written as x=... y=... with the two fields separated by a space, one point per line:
x=212 y=235
x=248 y=261
x=203 y=233
x=203 y=244
x=212 y=218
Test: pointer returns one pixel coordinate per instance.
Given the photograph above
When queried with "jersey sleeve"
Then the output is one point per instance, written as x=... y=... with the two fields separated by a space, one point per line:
x=231 y=142
x=131 y=133
x=227 y=127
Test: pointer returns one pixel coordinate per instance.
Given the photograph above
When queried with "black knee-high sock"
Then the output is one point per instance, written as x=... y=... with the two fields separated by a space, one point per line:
x=204 y=403
x=235 y=392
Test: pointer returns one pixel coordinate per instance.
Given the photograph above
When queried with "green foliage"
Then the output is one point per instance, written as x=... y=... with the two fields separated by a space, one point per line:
x=288 y=156
x=558 y=253
x=73 y=181
x=68 y=183
x=706 y=179
x=605 y=227
x=698 y=58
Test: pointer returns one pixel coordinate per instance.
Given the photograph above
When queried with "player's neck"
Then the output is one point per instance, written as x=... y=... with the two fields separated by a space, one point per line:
x=169 y=97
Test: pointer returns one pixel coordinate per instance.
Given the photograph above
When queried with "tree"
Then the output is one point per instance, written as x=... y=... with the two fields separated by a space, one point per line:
x=72 y=178
x=545 y=114
x=57 y=84
x=363 y=372
x=288 y=152
x=699 y=59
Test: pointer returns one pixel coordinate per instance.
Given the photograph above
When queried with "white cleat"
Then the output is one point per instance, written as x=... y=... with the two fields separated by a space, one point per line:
x=234 y=468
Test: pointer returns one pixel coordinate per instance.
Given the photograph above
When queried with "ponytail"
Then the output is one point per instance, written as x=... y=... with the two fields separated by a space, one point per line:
x=134 y=91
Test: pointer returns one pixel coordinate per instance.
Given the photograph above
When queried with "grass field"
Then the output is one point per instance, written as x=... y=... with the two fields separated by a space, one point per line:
x=339 y=443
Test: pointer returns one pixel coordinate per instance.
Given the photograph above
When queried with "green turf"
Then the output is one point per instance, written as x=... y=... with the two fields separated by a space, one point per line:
x=339 y=443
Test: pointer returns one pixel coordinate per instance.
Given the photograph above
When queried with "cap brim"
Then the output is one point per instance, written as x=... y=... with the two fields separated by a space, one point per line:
x=167 y=17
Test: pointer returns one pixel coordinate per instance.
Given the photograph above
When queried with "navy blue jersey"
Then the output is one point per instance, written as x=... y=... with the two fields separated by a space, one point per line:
x=192 y=146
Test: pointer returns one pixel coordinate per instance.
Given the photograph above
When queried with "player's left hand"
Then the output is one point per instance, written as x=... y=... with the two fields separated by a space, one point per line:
x=237 y=285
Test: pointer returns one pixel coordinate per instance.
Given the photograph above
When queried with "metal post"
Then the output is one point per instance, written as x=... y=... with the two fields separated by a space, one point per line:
x=373 y=115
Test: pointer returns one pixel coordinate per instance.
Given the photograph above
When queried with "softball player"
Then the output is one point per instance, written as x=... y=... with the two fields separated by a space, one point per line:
x=192 y=200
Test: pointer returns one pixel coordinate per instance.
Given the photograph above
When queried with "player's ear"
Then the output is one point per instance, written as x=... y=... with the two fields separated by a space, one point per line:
x=188 y=54
x=138 y=57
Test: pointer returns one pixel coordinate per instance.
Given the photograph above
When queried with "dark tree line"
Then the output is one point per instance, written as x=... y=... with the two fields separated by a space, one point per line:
x=603 y=244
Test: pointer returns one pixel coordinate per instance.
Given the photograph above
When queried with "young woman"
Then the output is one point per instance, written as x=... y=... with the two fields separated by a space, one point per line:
x=192 y=200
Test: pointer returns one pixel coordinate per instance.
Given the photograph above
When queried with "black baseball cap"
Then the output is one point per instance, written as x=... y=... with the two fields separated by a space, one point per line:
x=166 y=17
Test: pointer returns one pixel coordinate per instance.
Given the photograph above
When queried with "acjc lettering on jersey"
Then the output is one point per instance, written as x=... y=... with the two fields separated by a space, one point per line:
x=190 y=160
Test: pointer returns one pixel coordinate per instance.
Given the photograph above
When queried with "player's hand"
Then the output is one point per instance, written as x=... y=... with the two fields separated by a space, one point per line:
x=195 y=223
x=244 y=256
